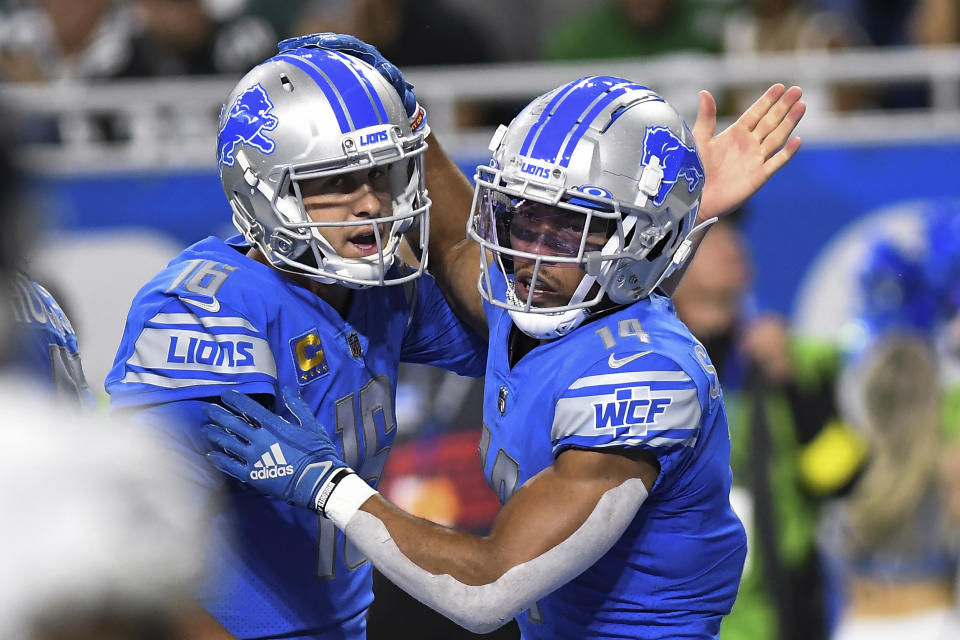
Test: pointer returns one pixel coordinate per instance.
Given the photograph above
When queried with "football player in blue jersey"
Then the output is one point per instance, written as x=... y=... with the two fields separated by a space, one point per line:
x=322 y=168
x=45 y=346
x=604 y=428
x=36 y=337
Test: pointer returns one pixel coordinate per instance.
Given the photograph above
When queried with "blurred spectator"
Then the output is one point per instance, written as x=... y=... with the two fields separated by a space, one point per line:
x=787 y=447
x=55 y=39
x=791 y=25
x=912 y=284
x=51 y=39
x=935 y=22
x=409 y=33
x=903 y=22
x=60 y=40
x=897 y=554
x=197 y=37
x=897 y=23
x=895 y=539
x=412 y=33
x=796 y=25
x=635 y=28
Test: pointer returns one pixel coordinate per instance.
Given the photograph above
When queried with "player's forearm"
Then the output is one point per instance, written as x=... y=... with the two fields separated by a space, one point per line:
x=437 y=549
x=480 y=583
x=454 y=260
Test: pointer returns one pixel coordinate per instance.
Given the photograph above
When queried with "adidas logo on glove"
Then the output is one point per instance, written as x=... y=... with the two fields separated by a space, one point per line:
x=271 y=466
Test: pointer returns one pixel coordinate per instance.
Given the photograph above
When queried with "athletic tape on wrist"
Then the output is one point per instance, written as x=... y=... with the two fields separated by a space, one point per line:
x=346 y=496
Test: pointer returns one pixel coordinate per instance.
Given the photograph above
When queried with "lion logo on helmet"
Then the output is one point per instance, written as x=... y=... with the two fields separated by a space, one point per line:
x=678 y=160
x=246 y=123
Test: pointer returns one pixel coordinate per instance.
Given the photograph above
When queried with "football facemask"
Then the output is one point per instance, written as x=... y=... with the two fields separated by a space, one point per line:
x=310 y=116
x=600 y=174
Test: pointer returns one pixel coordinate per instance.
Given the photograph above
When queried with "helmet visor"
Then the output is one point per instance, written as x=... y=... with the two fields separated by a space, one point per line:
x=518 y=227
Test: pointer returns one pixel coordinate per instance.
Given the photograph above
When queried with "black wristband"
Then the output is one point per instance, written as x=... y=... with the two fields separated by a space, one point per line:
x=327 y=489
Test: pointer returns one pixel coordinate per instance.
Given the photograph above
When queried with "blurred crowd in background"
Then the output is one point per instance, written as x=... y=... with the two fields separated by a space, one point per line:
x=51 y=40
x=845 y=458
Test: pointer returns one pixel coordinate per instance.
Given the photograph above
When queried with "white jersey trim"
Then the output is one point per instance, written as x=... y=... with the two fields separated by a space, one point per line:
x=629 y=377
x=170 y=383
x=206 y=321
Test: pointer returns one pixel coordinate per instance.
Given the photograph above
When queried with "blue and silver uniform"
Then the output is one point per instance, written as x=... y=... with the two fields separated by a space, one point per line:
x=215 y=319
x=46 y=344
x=635 y=378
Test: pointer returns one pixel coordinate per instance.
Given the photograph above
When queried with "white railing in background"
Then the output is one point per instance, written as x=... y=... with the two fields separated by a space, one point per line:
x=172 y=123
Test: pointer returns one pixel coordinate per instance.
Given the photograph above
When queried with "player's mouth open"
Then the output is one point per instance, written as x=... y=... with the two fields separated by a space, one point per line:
x=364 y=243
x=542 y=292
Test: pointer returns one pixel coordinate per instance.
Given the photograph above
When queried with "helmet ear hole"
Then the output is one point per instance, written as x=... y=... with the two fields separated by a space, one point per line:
x=658 y=248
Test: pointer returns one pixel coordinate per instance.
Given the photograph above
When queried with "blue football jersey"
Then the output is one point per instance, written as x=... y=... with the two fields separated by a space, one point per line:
x=215 y=319
x=46 y=344
x=635 y=378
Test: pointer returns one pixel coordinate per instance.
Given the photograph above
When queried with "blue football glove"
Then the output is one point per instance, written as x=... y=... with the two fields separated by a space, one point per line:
x=296 y=463
x=368 y=53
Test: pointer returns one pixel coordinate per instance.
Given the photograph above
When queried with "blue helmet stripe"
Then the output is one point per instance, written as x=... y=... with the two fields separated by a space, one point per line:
x=333 y=97
x=360 y=107
x=532 y=133
x=567 y=114
x=591 y=115
x=340 y=85
x=371 y=90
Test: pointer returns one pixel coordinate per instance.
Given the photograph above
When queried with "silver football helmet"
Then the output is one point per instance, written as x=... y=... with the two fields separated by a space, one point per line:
x=600 y=174
x=308 y=114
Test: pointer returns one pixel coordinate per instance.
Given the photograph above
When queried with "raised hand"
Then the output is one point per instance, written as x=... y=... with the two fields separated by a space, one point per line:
x=296 y=463
x=357 y=48
x=743 y=157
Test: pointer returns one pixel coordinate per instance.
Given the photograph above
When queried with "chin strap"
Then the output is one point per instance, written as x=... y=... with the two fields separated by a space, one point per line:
x=683 y=252
x=545 y=326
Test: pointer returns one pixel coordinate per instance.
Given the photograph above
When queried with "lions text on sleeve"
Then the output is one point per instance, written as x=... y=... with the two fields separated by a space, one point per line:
x=635 y=378
x=215 y=319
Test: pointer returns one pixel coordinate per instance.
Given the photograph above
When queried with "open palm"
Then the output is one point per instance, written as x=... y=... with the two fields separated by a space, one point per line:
x=743 y=157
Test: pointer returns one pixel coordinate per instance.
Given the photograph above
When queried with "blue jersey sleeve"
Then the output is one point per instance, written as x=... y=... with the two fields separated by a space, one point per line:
x=175 y=351
x=436 y=336
x=46 y=344
x=643 y=400
x=176 y=425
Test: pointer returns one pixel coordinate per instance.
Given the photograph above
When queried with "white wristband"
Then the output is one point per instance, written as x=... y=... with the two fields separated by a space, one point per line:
x=347 y=497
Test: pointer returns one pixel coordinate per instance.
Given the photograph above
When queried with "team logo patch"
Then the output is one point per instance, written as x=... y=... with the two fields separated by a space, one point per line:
x=356 y=349
x=678 y=160
x=627 y=411
x=502 y=400
x=249 y=117
x=309 y=358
